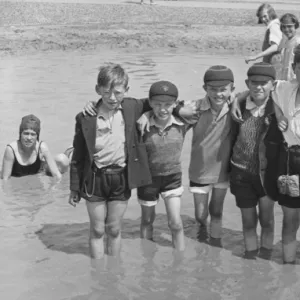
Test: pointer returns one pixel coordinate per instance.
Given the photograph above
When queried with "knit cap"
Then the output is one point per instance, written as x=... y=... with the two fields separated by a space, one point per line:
x=164 y=91
x=30 y=122
x=218 y=76
x=261 y=72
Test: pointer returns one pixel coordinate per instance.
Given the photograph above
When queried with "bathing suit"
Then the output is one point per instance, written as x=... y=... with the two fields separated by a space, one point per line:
x=19 y=170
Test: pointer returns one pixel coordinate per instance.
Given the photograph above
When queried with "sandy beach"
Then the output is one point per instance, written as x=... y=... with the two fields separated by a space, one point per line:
x=50 y=53
x=31 y=27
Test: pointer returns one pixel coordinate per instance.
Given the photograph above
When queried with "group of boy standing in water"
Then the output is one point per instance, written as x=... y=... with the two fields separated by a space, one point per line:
x=249 y=142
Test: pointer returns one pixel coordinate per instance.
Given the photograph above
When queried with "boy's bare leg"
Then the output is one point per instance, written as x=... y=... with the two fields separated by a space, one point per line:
x=201 y=208
x=249 y=220
x=97 y=214
x=289 y=231
x=216 y=212
x=266 y=219
x=175 y=223
x=147 y=220
x=113 y=225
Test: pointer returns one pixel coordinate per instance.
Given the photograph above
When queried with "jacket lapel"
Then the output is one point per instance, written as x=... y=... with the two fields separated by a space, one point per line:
x=89 y=132
x=128 y=116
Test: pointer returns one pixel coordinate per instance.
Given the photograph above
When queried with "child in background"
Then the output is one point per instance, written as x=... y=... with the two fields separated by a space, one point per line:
x=211 y=148
x=163 y=138
x=253 y=178
x=273 y=36
x=288 y=25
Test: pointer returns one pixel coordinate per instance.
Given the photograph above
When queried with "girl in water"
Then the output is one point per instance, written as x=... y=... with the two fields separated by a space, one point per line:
x=28 y=156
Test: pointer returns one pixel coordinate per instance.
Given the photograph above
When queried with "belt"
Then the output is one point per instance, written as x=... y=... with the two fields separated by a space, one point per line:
x=111 y=169
x=294 y=148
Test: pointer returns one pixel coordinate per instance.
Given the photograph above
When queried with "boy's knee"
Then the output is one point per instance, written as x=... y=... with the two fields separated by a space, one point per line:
x=216 y=213
x=148 y=216
x=97 y=231
x=113 y=230
x=175 y=226
x=248 y=226
x=147 y=221
x=269 y=223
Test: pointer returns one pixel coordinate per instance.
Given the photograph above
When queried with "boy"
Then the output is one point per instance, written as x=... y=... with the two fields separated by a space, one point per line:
x=254 y=159
x=164 y=140
x=211 y=148
x=108 y=158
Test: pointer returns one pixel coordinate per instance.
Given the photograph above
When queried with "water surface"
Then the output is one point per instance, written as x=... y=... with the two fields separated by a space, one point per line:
x=44 y=252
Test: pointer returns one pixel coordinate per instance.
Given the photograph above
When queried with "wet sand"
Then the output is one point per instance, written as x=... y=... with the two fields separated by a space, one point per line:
x=31 y=27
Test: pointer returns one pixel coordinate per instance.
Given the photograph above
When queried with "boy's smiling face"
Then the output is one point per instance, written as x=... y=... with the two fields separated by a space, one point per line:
x=219 y=94
x=260 y=90
x=112 y=96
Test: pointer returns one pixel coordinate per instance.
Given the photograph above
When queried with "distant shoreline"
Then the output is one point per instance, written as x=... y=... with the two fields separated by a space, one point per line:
x=27 y=27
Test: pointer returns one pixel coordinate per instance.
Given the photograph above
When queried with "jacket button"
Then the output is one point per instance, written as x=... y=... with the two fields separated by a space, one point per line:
x=133 y=146
x=135 y=159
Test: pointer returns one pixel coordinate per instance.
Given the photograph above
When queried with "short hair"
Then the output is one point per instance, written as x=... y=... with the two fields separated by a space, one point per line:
x=297 y=54
x=291 y=17
x=270 y=11
x=111 y=75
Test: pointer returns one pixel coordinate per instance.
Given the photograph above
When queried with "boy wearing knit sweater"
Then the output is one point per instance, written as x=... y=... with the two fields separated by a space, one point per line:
x=254 y=159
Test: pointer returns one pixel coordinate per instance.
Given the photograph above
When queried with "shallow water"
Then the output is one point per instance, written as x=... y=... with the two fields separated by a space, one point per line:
x=44 y=251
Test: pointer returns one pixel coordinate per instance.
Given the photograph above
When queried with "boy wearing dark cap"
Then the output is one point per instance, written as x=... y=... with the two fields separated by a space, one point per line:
x=211 y=148
x=254 y=159
x=163 y=138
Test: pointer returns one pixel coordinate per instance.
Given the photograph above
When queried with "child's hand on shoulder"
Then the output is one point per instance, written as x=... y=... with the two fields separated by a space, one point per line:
x=283 y=123
x=143 y=123
x=190 y=110
x=90 y=109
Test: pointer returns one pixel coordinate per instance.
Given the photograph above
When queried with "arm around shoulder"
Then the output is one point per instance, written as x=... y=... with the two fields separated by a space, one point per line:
x=7 y=164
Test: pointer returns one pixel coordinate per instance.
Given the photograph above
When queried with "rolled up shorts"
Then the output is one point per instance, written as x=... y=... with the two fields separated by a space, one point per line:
x=166 y=186
x=106 y=184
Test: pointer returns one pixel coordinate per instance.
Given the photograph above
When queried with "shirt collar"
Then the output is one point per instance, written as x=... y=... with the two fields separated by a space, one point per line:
x=257 y=111
x=204 y=104
x=273 y=22
x=171 y=121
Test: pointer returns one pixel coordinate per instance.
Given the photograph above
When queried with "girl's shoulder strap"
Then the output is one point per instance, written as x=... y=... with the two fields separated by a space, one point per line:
x=14 y=147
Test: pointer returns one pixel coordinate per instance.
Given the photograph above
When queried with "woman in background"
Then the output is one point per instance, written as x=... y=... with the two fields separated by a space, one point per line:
x=28 y=155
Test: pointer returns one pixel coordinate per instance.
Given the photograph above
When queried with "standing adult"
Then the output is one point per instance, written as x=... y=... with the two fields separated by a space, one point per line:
x=273 y=36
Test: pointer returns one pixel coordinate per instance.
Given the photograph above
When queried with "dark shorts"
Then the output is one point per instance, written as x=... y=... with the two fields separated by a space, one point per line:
x=294 y=169
x=169 y=185
x=107 y=184
x=246 y=188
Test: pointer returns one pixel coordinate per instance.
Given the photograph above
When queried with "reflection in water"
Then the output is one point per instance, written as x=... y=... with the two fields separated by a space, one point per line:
x=45 y=241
